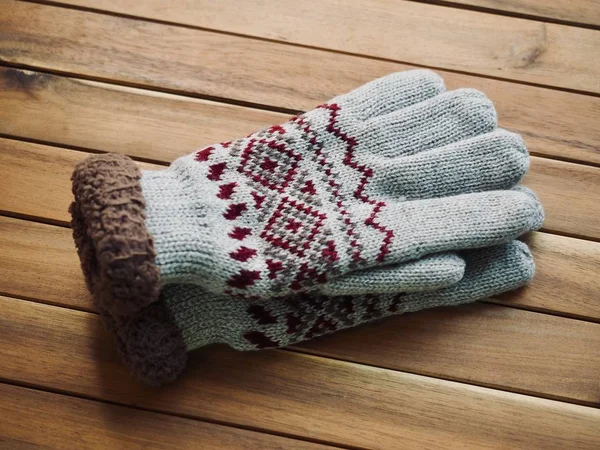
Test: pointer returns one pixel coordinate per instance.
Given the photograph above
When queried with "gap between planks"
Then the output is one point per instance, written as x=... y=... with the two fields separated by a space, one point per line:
x=588 y=17
x=25 y=68
x=98 y=424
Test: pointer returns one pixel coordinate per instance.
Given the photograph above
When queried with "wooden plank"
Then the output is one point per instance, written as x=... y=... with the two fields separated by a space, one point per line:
x=576 y=11
x=566 y=277
x=97 y=115
x=481 y=344
x=36 y=419
x=34 y=190
x=570 y=194
x=39 y=262
x=478 y=343
x=294 y=394
x=429 y=35
x=36 y=179
x=555 y=123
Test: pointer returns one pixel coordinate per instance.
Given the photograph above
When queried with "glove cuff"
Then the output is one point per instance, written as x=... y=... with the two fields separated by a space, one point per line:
x=114 y=246
x=185 y=217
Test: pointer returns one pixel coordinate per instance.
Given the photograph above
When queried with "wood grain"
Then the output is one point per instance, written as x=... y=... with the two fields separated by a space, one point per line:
x=289 y=393
x=34 y=419
x=364 y=397
x=555 y=123
x=40 y=262
x=481 y=344
x=37 y=182
x=570 y=194
x=566 y=277
x=429 y=35
x=105 y=117
x=576 y=11
x=37 y=179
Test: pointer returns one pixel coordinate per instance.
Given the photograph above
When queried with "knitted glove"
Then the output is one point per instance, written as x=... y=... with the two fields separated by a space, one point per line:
x=154 y=342
x=333 y=200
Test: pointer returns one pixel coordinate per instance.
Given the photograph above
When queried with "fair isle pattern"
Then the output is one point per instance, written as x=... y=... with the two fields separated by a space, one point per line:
x=367 y=173
x=345 y=199
x=301 y=214
x=312 y=316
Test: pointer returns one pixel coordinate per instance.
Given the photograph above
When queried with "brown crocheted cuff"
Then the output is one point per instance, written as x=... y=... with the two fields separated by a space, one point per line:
x=108 y=221
x=150 y=344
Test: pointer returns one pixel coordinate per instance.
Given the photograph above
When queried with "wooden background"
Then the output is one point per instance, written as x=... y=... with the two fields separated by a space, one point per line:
x=155 y=80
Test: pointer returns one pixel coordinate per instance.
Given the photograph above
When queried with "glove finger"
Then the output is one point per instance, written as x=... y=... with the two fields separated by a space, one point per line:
x=492 y=161
x=441 y=120
x=389 y=93
x=423 y=227
x=425 y=274
x=489 y=271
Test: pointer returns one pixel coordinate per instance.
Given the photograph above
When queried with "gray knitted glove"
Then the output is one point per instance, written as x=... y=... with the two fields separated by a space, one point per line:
x=154 y=342
x=336 y=200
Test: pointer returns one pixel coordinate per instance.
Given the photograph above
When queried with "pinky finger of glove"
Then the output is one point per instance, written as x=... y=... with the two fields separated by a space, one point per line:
x=490 y=271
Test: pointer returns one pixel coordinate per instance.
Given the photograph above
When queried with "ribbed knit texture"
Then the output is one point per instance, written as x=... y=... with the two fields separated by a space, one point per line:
x=394 y=171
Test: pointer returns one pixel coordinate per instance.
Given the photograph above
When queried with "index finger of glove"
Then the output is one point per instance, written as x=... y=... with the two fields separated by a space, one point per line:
x=390 y=93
